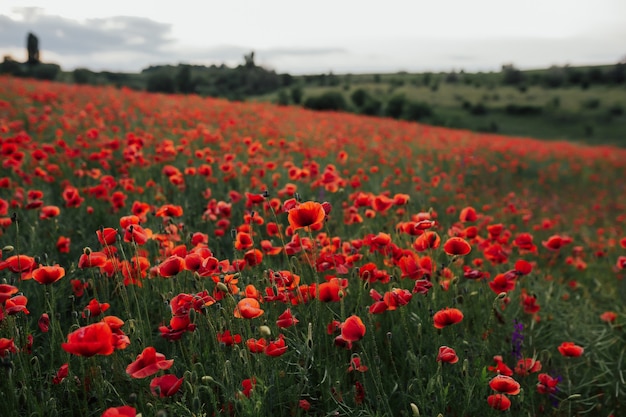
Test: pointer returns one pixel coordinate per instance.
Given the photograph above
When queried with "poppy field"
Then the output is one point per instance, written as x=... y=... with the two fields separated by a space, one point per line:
x=171 y=255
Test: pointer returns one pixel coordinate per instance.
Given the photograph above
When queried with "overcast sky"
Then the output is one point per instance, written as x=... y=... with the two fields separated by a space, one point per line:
x=318 y=36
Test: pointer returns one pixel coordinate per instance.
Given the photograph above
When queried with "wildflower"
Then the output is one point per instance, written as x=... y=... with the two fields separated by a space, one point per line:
x=427 y=240
x=517 y=340
x=248 y=308
x=499 y=402
x=7 y=346
x=123 y=411
x=106 y=236
x=94 y=339
x=276 y=347
x=248 y=386
x=570 y=349
x=61 y=374
x=457 y=246
x=505 y=384
x=307 y=216
x=165 y=386
x=446 y=317
x=227 y=339
x=356 y=365
x=148 y=362
x=44 y=323
x=608 y=316
x=6 y=292
x=501 y=368
x=171 y=266
x=546 y=384
x=48 y=274
x=286 y=319
x=527 y=366
x=95 y=308
x=353 y=329
x=447 y=354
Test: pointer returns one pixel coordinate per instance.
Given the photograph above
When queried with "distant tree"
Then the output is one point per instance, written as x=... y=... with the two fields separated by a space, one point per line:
x=160 y=82
x=511 y=75
x=11 y=66
x=395 y=106
x=184 y=83
x=359 y=97
x=331 y=100
x=32 y=44
x=296 y=94
x=83 y=76
x=249 y=60
x=283 y=98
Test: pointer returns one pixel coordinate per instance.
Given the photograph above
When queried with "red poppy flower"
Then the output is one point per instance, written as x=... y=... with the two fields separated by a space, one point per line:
x=546 y=384
x=499 y=402
x=556 y=242
x=446 y=317
x=457 y=246
x=48 y=274
x=61 y=374
x=527 y=366
x=171 y=266
x=44 y=323
x=353 y=329
x=123 y=411
x=95 y=308
x=248 y=386
x=106 y=236
x=165 y=386
x=505 y=384
x=307 y=216
x=19 y=263
x=356 y=365
x=447 y=354
x=7 y=346
x=523 y=267
x=286 y=319
x=248 y=308
x=169 y=210
x=427 y=240
x=16 y=305
x=227 y=339
x=92 y=260
x=256 y=345
x=501 y=367
x=468 y=214
x=502 y=283
x=6 y=292
x=48 y=212
x=94 y=339
x=570 y=349
x=148 y=362
x=276 y=347
x=608 y=316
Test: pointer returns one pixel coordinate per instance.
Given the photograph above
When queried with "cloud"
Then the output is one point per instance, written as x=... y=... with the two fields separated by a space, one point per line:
x=62 y=36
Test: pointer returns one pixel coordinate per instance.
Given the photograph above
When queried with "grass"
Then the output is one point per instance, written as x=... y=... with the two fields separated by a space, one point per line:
x=203 y=200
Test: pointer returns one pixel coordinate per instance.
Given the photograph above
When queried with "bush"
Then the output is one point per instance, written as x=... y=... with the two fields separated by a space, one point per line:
x=417 y=110
x=331 y=100
x=161 y=82
x=359 y=97
x=83 y=76
x=371 y=107
x=395 y=106
x=522 y=110
x=296 y=95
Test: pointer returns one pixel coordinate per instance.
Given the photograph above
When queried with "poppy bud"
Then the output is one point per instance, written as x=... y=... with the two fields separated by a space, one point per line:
x=265 y=331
